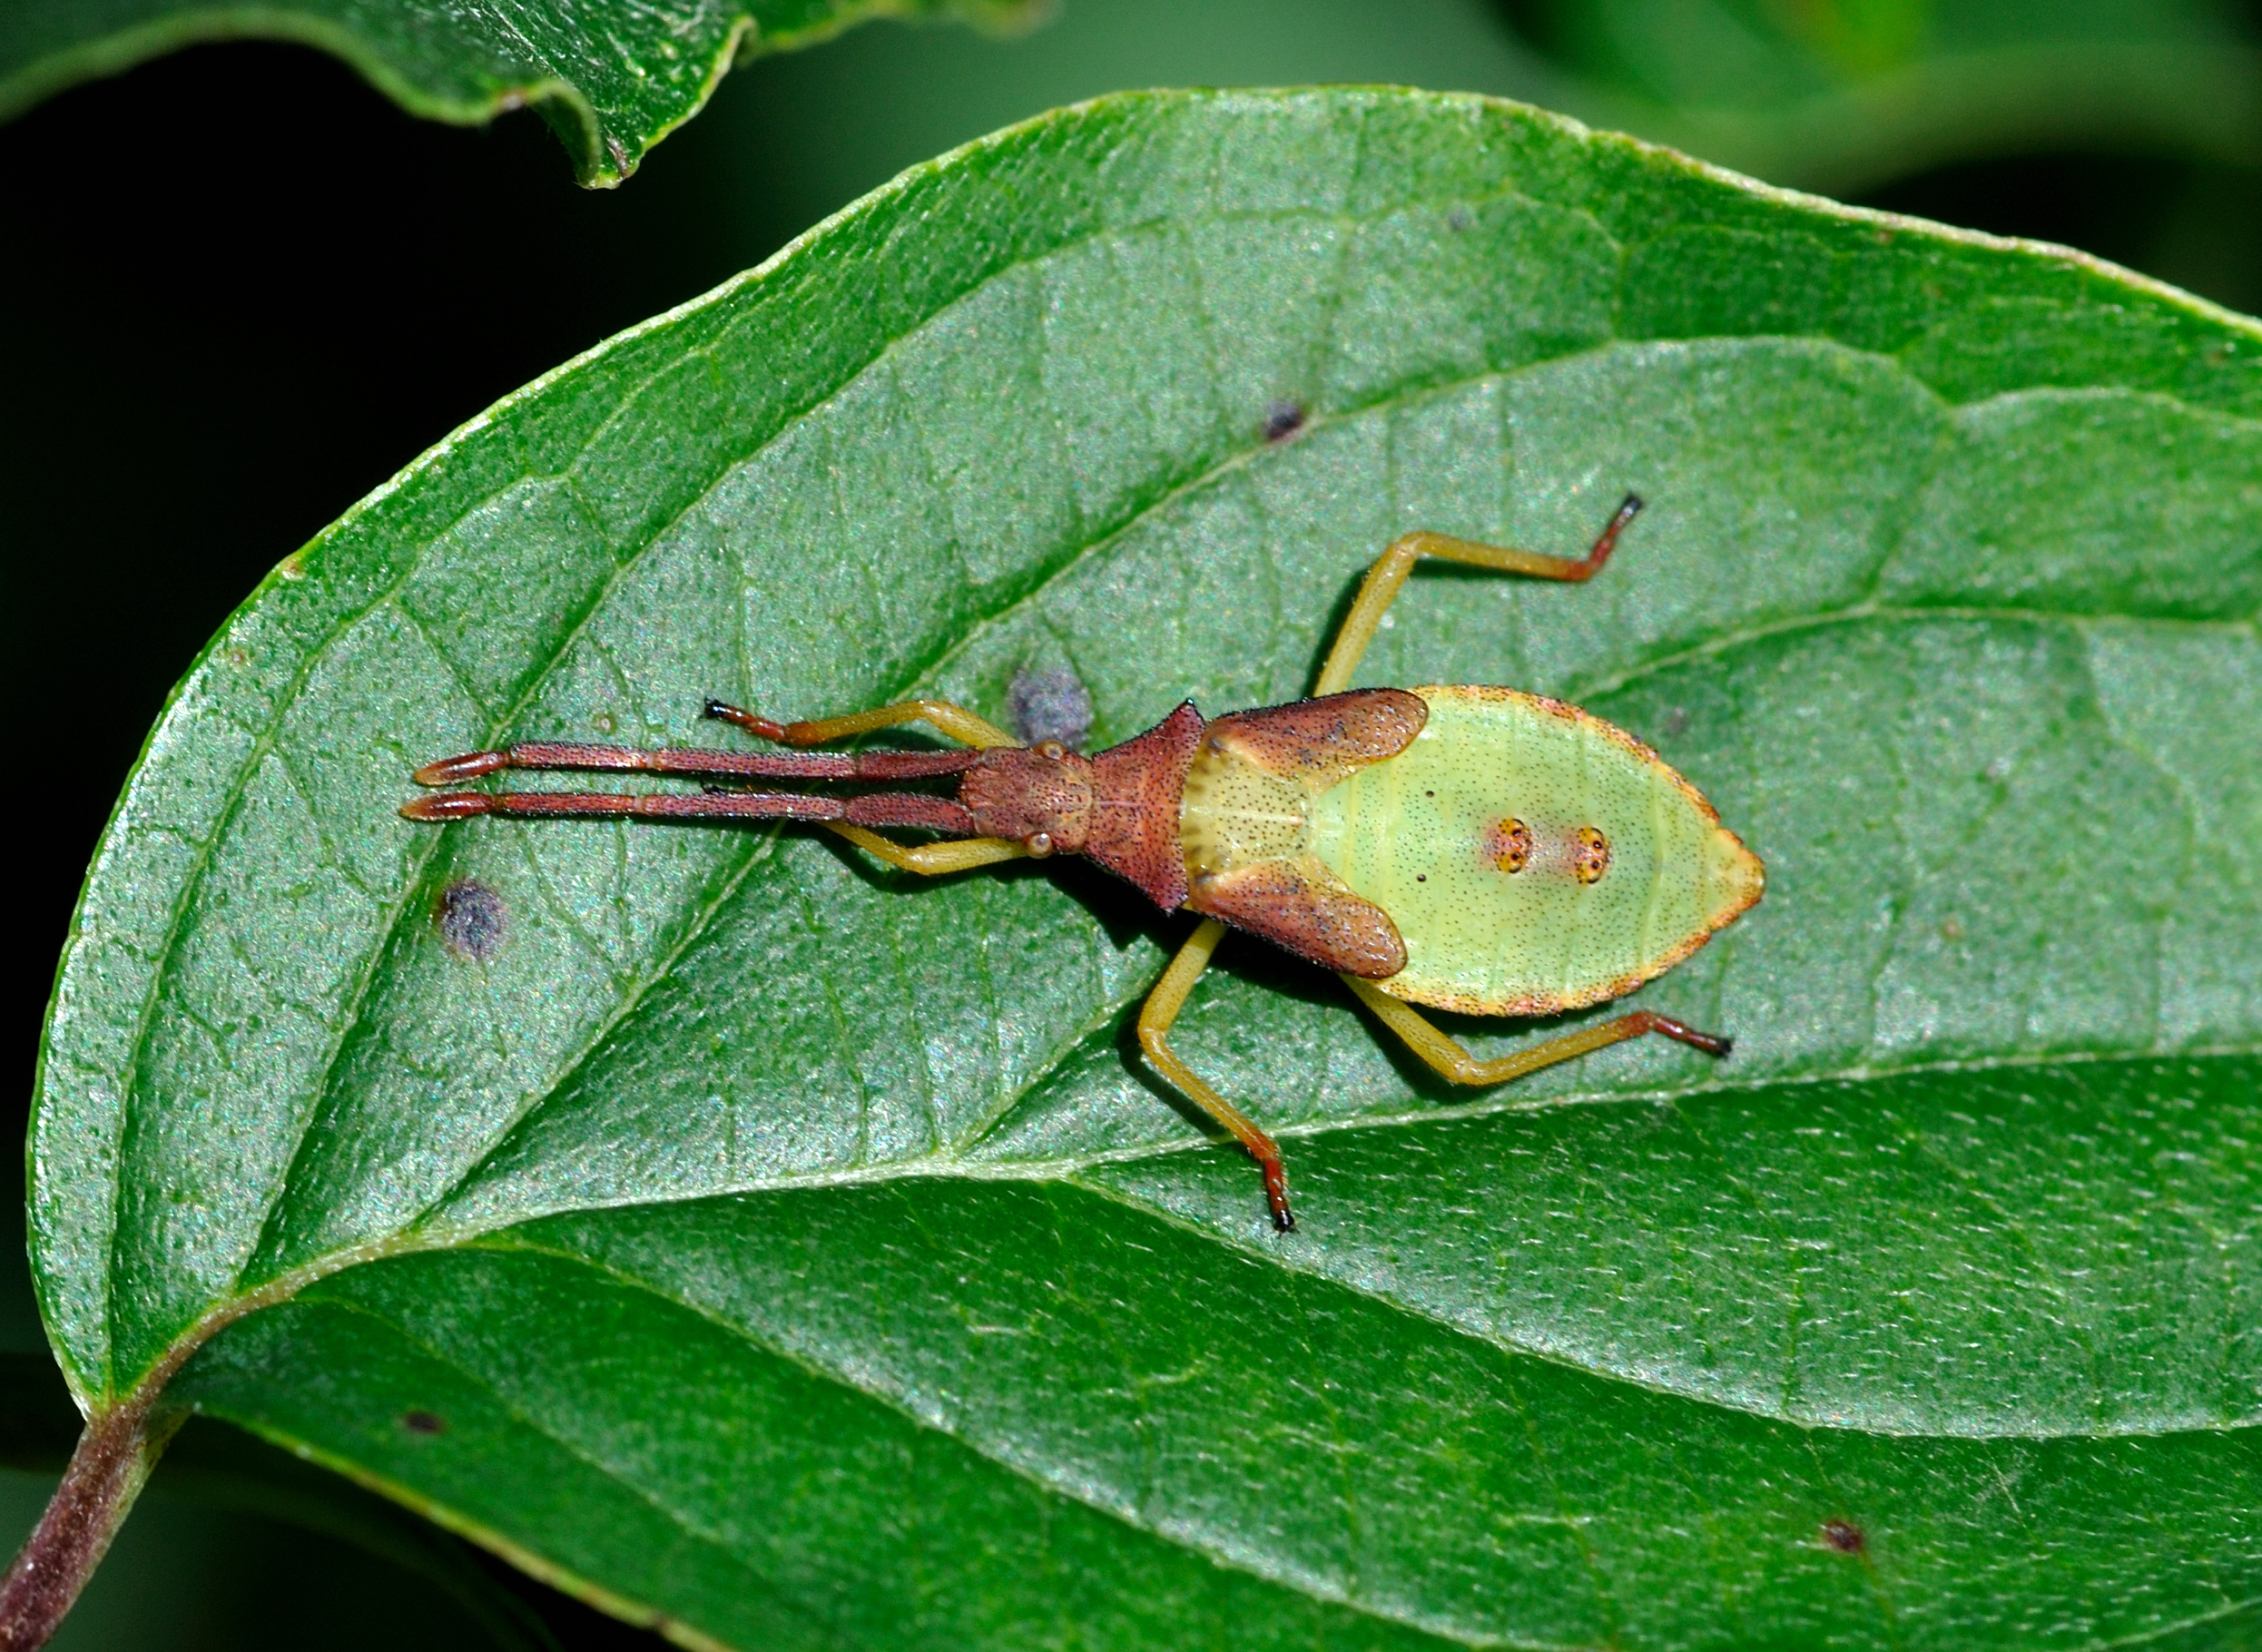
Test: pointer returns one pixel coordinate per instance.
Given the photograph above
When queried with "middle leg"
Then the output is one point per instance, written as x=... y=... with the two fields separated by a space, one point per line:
x=1388 y=576
x=1163 y=1006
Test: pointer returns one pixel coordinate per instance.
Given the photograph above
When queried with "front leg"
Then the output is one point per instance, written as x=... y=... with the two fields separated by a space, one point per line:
x=955 y=720
x=932 y=859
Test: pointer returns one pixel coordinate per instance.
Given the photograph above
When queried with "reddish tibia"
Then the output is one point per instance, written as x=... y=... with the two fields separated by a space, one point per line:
x=1589 y=566
x=753 y=722
x=1652 y=1022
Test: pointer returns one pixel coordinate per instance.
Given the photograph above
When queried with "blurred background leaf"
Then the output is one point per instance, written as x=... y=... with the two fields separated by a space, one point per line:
x=1846 y=94
x=611 y=78
x=246 y=288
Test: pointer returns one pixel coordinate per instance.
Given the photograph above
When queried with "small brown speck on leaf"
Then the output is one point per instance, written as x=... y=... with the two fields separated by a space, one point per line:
x=422 y=1422
x=1283 y=419
x=1844 y=1536
x=472 y=918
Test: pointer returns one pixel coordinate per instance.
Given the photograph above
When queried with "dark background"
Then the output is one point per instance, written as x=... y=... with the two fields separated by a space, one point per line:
x=241 y=290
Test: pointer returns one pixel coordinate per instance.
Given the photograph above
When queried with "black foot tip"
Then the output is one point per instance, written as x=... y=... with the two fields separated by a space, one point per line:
x=1283 y=1222
x=1726 y=1046
x=716 y=709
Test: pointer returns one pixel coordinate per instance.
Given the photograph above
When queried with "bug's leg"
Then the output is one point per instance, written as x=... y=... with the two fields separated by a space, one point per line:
x=1384 y=580
x=1163 y=1006
x=932 y=859
x=1447 y=1055
x=955 y=720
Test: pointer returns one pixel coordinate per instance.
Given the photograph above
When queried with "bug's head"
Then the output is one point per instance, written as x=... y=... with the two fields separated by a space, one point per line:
x=1039 y=795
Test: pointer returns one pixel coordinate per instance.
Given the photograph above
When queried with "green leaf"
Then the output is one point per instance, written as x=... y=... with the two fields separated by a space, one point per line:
x=611 y=78
x=799 y=1255
x=1846 y=93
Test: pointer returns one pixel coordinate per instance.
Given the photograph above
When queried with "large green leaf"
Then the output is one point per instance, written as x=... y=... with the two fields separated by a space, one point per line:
x=797 y=1256
x=1843 y=94
x=612 y=77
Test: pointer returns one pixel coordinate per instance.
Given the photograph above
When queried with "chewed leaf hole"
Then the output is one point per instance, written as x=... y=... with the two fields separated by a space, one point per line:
x=472 y=918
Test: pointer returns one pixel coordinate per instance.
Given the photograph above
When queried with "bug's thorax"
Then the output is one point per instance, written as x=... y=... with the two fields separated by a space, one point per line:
x=1236 y=814
x=1246 y=823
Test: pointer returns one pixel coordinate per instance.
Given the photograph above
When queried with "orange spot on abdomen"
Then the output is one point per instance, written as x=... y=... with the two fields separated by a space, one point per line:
x=1509 y=845
x=1590 y=854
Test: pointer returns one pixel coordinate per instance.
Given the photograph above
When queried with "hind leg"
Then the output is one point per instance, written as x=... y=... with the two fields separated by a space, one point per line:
x=1450 y=1059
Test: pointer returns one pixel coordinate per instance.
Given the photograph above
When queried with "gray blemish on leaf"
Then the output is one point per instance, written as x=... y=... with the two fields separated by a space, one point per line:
x=1049 y=703
x=1283 y=419
x=472 y=920
x=423 y=1422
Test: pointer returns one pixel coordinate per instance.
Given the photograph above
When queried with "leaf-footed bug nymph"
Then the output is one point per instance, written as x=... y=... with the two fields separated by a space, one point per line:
x=1470 y=849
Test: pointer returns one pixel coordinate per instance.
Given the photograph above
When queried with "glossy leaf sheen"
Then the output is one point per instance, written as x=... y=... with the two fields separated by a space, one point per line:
x=613 y=78
x=796 y=1251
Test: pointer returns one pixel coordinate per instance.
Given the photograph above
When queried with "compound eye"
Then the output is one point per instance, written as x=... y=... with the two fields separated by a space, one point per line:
x=1051 y=750
x=1038 y=844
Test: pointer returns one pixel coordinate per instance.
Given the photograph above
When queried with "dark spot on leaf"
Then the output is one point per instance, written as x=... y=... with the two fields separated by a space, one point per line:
x=1283 y=419
x=1049 y=703
x=472 y=920
x=1844 y=1536
x=1676 y=719
x=1459 y=218
x=422 y=1422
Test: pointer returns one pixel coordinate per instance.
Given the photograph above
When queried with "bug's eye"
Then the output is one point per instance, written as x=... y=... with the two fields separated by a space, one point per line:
x=1052 y=749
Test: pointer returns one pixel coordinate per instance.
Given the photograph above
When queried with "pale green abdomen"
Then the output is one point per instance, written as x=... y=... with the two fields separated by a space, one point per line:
x=1533 y=858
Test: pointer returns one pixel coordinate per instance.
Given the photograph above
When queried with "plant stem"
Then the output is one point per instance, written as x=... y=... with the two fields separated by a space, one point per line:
x=114 y=1456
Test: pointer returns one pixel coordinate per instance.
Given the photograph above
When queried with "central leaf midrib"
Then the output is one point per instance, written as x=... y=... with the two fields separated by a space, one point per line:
x=501 y=1236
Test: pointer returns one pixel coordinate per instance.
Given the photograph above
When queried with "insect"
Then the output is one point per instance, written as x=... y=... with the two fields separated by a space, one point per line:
x=1477 y=850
